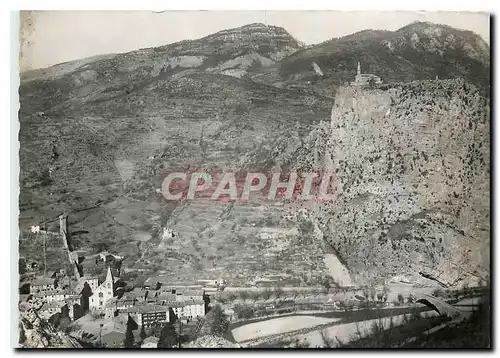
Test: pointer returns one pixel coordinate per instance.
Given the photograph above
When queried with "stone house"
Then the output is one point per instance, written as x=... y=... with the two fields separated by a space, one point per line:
x=91 y=281
x=187 y=309
x=148 y=315
x=125 y=301
x=42 y=284
x=51 y=308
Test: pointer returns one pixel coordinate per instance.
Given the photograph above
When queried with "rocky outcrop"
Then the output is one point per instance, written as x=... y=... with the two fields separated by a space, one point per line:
x=412 y=181
x=211 y=342
x=37 y=333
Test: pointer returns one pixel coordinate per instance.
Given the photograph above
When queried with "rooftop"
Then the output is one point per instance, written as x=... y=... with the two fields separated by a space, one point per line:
x=188 y=293
x=137 y=292
x=55 y=293
x=88 y=279
x=23 y=297
x=166 y=296
x=43 y=281
x=53 y=304
x=151 y=339
x=111 y=302
x=145 y=309
x=175 y=304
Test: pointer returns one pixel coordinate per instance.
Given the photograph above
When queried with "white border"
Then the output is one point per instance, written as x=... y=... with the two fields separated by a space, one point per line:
x=393 y=5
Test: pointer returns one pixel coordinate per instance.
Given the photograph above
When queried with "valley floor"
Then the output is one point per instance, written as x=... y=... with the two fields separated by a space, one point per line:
x=410 y=326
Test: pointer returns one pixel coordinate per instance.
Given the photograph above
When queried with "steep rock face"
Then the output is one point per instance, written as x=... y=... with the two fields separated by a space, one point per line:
x=37 y=333
x=211 y=342
x=269 y=41
x=412 y=181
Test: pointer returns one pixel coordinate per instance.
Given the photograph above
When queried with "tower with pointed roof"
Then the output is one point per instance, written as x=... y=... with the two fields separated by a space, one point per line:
x=109 y=276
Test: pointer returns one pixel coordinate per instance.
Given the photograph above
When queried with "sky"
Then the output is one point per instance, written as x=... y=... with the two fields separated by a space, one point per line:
x=52 y=37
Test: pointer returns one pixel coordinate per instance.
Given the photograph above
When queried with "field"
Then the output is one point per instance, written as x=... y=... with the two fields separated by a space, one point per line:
x=277 y=326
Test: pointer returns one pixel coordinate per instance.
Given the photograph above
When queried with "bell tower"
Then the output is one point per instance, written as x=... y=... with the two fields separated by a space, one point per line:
x=359 y=69
x=109 y=285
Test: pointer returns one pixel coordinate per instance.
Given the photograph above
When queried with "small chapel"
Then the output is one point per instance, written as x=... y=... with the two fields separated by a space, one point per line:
x=364 y=79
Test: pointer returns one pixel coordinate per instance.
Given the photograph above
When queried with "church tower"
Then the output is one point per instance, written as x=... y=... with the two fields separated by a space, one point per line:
x=109 y=283
x=103 y=292
x=109 y=275
x=359 y=69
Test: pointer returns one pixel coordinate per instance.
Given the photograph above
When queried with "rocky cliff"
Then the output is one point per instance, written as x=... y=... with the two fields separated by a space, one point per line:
x=37 y=333
x=412 y=164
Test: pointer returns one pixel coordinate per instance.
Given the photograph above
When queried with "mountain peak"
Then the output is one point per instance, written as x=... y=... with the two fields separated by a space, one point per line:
x=255 y=29
x=255 y=25
x=430 y=28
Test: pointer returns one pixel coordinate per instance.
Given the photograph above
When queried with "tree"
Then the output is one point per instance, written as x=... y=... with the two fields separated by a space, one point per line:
x=278 y=292
x=100 y=247
x=243 y=312
x=371 y=82
x=168 y=336
x=401 y=298
x=437 y=292
x=22 y=265
x=366 y=293
x=142 y=334
x=62 y=323
x=244 y=295
x=22 y=335
x=326 y=285
x=221 y=297
x=44 y=178
x=128 y=342
x=328 y=342
x=156 y=330
x=218 y=321
x=266 y=294
x=254 y=295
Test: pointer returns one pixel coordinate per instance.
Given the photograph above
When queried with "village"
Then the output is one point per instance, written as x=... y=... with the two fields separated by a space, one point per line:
x=102 y=304
x=95 y=303
x=98 y=310
x=92 y=299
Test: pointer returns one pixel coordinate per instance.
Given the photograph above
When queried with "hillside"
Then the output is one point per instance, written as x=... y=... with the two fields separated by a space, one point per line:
x=105 y=131
x=114 y=148
x=231 y=52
